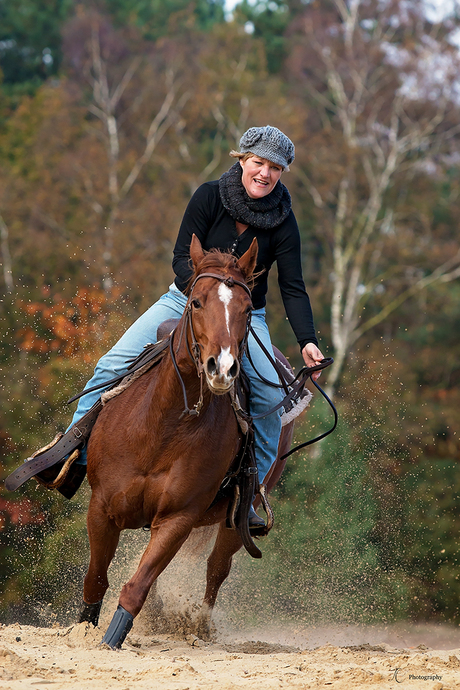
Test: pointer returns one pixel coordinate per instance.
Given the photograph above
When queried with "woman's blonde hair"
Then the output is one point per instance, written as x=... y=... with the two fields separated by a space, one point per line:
x=241 y=156
x=244 y=157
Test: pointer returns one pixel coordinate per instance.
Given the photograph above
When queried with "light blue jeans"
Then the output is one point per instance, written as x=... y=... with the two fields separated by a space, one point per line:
x=263 y=397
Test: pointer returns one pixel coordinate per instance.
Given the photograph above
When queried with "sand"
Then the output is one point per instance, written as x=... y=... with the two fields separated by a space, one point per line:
x=70 y=657
x=164 y=651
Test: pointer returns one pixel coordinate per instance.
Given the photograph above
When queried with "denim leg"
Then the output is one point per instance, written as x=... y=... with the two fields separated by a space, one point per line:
x=143 y=331
x=263 y=397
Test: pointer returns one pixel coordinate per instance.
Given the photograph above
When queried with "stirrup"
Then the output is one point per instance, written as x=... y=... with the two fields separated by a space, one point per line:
x=263 y=529
x=54 y=477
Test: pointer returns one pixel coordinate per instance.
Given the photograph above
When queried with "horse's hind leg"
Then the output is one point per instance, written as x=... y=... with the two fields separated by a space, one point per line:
x=228 y=542
x=103 y=539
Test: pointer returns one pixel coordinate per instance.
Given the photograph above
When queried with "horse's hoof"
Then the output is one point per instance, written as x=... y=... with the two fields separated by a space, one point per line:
x=121 y=624
x=89 y=613
x=206 y=630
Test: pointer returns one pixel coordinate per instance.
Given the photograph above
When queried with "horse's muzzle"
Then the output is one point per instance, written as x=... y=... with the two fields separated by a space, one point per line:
x=221 y=372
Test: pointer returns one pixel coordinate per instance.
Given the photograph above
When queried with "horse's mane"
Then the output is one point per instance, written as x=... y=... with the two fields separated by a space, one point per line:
x=224 y=262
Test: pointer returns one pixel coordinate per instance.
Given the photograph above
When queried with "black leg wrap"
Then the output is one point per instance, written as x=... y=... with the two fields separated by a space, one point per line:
x=89 y=613
x=121 y=624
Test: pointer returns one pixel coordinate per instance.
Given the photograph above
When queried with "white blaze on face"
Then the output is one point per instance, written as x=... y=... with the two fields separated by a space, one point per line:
x=225 y=296
x=225 y=360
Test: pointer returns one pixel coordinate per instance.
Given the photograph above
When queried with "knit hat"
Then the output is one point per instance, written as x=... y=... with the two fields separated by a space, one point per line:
x=270 y=143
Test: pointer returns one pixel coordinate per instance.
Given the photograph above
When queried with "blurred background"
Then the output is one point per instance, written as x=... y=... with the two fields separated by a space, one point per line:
x=111 y=115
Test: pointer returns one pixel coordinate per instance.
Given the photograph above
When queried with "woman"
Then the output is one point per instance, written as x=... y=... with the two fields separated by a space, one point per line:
x=248 y=201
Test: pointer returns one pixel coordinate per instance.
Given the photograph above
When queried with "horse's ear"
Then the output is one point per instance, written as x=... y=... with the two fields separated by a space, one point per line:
x=196 y=250
x=248 y=261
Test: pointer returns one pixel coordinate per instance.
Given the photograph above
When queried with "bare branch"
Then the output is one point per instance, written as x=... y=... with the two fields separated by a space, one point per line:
x=349 y=14
x=128 y=75
x=158 y=127
x=311 y=189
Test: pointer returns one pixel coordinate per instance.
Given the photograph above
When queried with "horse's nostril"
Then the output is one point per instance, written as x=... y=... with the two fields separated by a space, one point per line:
x=211 y=366
x=233 y=372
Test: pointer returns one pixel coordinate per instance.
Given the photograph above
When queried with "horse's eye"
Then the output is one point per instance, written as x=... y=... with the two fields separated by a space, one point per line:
x=249 y=309
x=196 y=303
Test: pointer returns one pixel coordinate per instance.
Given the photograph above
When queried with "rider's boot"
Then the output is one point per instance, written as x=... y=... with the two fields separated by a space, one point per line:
x=255 y=522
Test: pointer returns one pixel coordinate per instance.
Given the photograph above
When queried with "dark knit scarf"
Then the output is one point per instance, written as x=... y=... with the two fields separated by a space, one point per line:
x=267 y=212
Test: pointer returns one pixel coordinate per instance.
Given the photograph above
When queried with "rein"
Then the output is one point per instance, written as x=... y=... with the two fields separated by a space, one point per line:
x=334 y=410
x=296 y=385
x=293 y=389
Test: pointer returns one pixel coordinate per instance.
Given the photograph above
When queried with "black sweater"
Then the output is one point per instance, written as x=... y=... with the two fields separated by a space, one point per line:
x=206 y=216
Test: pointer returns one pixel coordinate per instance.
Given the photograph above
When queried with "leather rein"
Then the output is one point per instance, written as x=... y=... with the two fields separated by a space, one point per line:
x=293 y=388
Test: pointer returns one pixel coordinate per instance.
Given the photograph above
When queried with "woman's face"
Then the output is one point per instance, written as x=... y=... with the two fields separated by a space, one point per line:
x=259 y=176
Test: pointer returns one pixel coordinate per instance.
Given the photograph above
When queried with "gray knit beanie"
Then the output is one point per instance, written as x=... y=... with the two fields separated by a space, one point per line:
x=270 y=143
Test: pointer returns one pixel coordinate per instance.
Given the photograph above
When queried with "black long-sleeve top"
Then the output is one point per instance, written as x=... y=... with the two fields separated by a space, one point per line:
x=206 y=217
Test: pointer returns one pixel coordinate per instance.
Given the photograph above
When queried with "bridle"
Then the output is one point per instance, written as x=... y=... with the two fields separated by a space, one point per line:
x=194 y=347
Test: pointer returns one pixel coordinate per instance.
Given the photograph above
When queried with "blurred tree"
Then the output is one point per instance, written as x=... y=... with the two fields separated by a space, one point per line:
x=30 y=41
x=267 y=20
x=121 y=83
x=96 y=169
x=157 y=18
x=382 y=119
x=99 y=167
x=231 y=89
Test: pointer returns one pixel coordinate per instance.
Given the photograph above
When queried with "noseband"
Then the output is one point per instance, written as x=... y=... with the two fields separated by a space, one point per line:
x=195 y=350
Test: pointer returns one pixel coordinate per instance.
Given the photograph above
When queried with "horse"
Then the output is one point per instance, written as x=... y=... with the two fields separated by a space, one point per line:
x=150 y=466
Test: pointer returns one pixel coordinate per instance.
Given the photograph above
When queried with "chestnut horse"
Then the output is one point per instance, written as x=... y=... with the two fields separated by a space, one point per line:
x=147 y=465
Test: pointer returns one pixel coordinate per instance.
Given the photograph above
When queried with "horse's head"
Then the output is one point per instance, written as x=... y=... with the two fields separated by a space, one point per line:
x=220 y=306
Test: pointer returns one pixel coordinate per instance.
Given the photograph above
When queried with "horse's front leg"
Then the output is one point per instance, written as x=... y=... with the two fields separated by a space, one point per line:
x=166 y=538
x=103 y=537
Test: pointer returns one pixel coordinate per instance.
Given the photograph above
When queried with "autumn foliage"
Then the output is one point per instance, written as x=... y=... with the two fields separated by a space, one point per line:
x=67 y=328
x=108 y=123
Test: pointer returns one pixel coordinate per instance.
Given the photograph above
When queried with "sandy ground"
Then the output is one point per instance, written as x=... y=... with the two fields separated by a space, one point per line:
x=276 y=655
x=65 y=658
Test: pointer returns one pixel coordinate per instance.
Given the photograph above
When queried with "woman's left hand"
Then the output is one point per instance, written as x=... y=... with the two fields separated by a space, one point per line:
x=312 y=355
